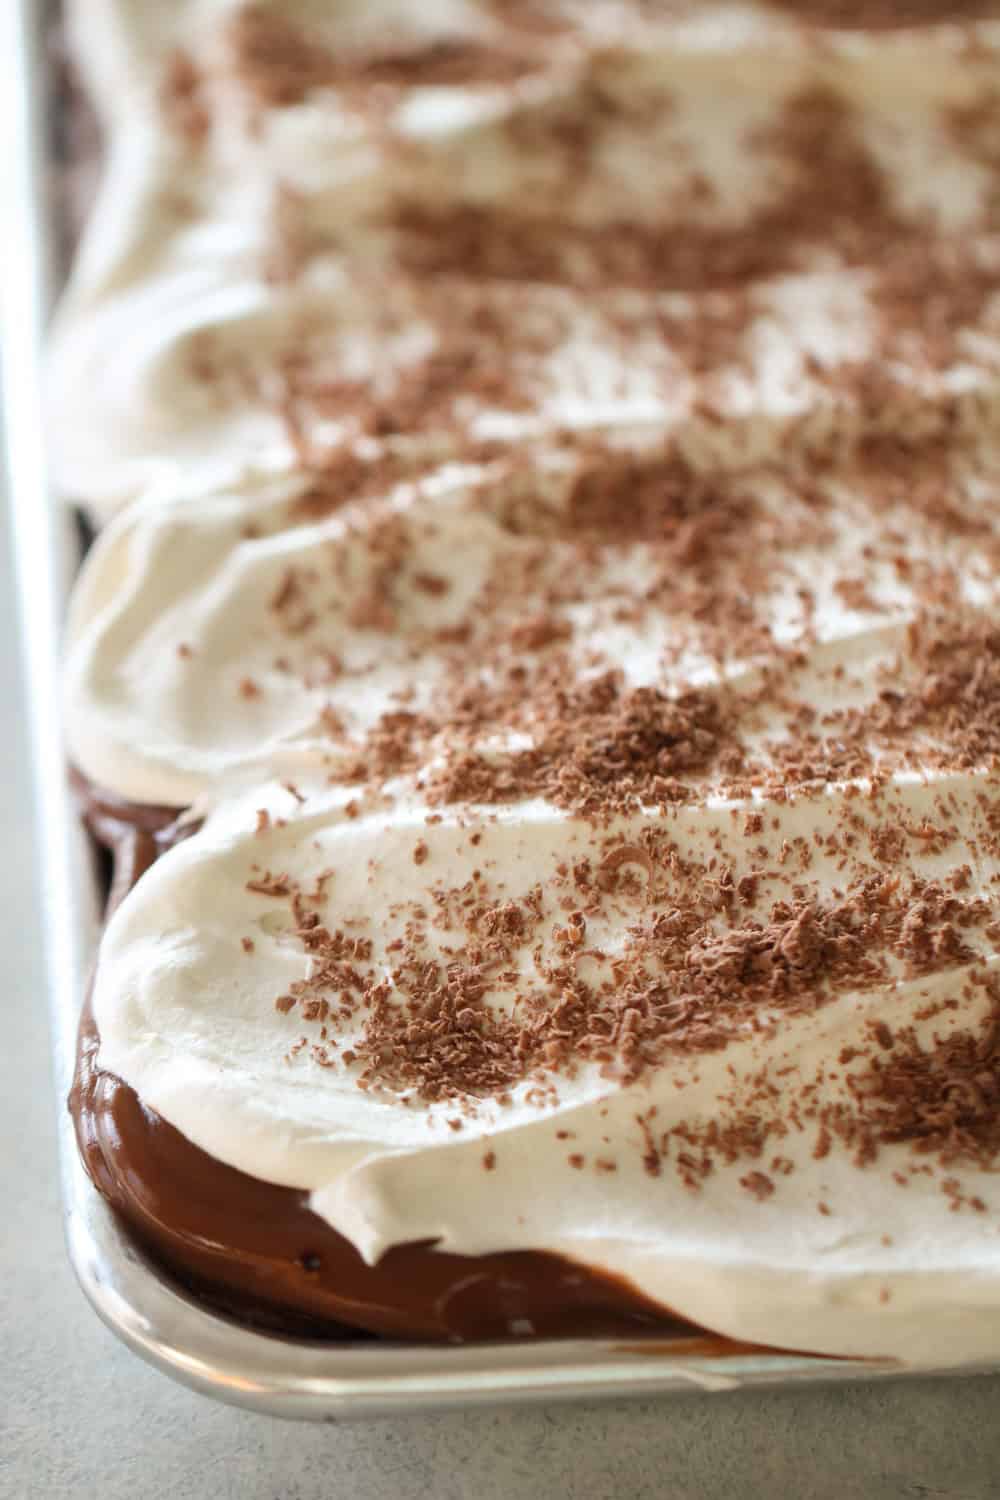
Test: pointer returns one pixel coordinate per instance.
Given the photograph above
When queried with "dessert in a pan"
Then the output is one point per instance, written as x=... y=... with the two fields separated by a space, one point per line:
x=538 y=669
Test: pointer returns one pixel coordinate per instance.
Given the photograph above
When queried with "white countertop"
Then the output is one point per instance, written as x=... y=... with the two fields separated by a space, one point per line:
x=79 y=1414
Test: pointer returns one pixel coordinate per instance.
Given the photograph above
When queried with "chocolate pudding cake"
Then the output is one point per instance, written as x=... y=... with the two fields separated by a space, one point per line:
x=538 y=669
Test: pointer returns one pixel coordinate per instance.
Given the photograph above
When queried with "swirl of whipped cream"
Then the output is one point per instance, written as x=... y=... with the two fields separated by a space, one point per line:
x=414 y=219
x=744 y=1159
x=209 y=636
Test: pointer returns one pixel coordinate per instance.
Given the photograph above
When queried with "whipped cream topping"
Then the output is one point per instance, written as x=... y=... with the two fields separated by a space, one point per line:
x=306 y=617
x=415 y=222
x=266 y=987
x=551 y=532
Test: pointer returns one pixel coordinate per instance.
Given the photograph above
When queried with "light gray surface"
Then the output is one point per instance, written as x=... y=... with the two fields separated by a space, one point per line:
x=79 y=1414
